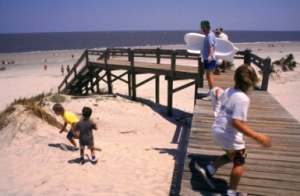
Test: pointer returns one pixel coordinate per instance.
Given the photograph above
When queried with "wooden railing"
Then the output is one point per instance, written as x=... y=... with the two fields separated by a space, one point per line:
x=74 y=70
x=263 y=64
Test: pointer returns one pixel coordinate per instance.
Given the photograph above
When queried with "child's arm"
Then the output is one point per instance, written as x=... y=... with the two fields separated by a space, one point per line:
x=75 y=130
x=261 y=138
x=63 y=128
x=76 y=134
x=96 y=127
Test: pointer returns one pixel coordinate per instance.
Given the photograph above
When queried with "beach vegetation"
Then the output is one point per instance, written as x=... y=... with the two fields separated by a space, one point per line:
x=286 y=63
x=4 y=116
x=34 y=106
x=57 y=98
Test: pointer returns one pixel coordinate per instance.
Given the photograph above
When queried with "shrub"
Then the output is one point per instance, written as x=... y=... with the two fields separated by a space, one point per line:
x=57 y=98
x=32 y=105
x=286 y=62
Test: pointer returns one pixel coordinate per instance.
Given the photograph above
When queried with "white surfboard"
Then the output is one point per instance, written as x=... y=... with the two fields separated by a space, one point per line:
x=225 y=50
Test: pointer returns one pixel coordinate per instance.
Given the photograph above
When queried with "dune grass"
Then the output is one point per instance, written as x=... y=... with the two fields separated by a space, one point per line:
x=34 y=106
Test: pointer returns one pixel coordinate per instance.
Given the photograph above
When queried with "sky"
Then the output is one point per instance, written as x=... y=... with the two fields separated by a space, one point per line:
x=27 y=16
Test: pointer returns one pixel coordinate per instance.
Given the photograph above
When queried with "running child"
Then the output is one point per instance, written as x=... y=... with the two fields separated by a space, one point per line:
x=231 y=109
x=85 y=128
x=70 y=119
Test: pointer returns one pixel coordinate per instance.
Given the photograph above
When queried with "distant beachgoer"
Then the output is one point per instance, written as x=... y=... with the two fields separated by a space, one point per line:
x=45 y=67
x=84 y=129
x=68 y=68
x=69 y=118
x=220 y=34
x=231 y=108
x=62 y=70
x=72 y=56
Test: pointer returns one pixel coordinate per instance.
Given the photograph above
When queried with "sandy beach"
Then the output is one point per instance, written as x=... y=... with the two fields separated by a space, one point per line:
x=138 y=141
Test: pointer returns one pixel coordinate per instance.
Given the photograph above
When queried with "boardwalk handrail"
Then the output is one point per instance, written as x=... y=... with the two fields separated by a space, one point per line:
x=263 y=64
x=73 y=70
x=158 y=53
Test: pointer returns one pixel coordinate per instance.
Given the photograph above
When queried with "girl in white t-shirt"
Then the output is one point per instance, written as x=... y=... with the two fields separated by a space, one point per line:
x=231 y=108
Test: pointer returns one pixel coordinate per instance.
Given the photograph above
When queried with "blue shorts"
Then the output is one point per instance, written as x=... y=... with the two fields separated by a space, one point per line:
x=210 y=66
x=70 y=134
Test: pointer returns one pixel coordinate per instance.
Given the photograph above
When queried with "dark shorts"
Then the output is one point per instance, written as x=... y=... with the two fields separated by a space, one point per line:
x=70 y=134
x=238 y=157
x=84 y=142
x=210 y=66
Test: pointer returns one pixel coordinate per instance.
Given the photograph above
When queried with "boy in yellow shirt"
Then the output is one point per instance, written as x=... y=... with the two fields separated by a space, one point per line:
x=69 y=118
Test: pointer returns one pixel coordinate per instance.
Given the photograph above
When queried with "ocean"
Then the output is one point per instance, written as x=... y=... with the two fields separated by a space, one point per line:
x=35 y=42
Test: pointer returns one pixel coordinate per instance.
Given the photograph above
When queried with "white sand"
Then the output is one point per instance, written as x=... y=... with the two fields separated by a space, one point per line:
x=138 y=141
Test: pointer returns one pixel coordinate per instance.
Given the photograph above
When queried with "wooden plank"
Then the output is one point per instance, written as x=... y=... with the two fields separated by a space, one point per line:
x=273 y=171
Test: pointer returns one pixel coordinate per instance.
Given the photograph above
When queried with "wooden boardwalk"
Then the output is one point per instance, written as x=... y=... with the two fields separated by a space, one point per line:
x=181 y=71
x=87 y=79
x=273 y=171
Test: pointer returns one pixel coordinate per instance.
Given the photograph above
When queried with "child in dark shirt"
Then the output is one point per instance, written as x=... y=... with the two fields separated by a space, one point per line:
x=85 y=128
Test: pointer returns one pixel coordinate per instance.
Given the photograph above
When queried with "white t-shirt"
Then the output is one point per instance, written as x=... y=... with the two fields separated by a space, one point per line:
x=223 y=36
x=234 y=105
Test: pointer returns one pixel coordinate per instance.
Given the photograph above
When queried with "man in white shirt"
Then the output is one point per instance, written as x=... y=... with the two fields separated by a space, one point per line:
x=220 y=34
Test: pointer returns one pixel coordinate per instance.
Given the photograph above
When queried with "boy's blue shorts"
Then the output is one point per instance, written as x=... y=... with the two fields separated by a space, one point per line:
x=70 y=134
x=210 y=66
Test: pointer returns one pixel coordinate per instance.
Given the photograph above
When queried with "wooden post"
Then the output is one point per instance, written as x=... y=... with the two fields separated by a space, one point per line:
x=157 y=89
x=108 y=53
x=129 y=51
x=170 y=96
x=75 y=71
x=266 y=74
x=98 y=84
x=129 y=82
x=86 y=57
x=196 y=91
x=201 y=73
x=170 y=83
x=158 y=55
x=108 y=73
x=173 y=63
x=133 y=79
x=93 y=84
x=247 y=57
x=157 y=77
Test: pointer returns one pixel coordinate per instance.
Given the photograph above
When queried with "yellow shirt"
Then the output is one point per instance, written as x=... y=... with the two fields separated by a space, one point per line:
x=70 y=118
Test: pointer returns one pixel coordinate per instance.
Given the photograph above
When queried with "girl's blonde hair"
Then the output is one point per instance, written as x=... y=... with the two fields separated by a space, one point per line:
x=245 y=78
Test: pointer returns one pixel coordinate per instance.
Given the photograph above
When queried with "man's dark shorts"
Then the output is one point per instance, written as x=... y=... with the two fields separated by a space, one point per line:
x=210 y=65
